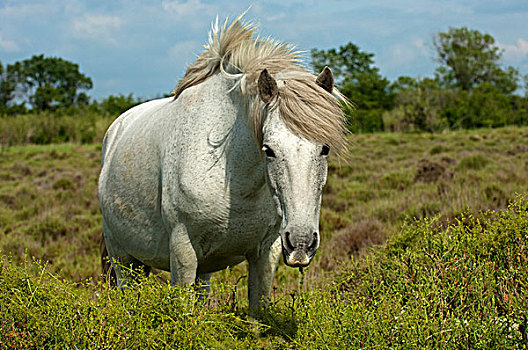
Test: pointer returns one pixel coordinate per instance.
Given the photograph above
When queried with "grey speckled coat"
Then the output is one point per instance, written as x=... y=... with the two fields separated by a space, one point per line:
x=184 y=188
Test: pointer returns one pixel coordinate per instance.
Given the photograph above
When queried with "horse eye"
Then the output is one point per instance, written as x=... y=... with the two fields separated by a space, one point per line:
x=269 y=152
x=325 y=150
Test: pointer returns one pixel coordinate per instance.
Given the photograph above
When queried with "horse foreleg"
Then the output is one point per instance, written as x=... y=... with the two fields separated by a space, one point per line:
x=262 y=264
x=183 y=262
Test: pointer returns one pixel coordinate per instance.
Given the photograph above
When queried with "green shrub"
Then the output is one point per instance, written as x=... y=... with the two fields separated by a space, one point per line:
x=438 y=149
x=473 y=162
x=45 y=128
x=64 y=184
x=429 y=287
x=398 y=180
x=437 y=288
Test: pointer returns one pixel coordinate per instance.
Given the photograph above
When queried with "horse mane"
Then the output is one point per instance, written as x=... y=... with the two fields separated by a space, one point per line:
x=306 y=108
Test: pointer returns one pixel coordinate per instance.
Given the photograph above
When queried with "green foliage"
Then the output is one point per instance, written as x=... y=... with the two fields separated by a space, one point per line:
x=470 y=58
x=426 y=105
x=115 y=105
x=360 y=81
x=461 y=285
x=54 y=84
x=347 y=63
x=473 y=162
x=41 y=311
x=46 y=127
x=470 y=88
x=7 y=91
x=398 y=180
x=428 y=288
x=419 y=105
x=47 y=83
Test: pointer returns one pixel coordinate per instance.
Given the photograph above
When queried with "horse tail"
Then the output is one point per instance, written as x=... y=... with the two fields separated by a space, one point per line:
x=106 y=265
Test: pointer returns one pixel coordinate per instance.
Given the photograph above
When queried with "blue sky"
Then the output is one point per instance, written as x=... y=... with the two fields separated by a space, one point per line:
x=142 y=47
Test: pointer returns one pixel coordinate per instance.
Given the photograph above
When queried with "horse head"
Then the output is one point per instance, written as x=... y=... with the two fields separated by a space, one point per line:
x=296 y=171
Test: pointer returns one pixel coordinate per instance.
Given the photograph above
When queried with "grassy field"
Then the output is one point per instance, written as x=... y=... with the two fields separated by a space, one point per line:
x=455 y=281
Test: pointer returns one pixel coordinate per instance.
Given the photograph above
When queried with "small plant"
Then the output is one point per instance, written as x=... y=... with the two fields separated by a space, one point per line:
x=438 y=149
x=64 y=184
x=473 y=162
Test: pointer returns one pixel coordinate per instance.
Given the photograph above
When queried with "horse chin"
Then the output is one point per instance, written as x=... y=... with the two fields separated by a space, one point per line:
x=296 y=259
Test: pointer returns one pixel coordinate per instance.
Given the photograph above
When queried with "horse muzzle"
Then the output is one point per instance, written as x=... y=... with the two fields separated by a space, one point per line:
x=299 y=250
x=296 y=259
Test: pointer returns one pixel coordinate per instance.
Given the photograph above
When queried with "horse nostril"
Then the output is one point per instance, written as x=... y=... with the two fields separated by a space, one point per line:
x=289 y=245
x=314 y=242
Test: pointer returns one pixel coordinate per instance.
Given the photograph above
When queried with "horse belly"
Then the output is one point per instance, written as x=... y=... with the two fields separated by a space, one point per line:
x=135 y=227
x=129 y=191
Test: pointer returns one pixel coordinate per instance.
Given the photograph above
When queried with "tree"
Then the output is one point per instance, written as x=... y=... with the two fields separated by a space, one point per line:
x=6 y=88
x=47 y=83
x=115 y=105
x=469 y=58
x=420 y=104
x=525 y=85
x=360 y=81
x=8 y=84
x=346 y=63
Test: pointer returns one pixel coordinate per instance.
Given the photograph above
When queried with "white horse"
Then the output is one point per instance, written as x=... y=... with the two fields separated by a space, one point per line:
x=230 y=169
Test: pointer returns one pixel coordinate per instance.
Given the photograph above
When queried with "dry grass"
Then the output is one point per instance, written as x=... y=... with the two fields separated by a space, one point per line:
x=49 y=206
x=458 y=279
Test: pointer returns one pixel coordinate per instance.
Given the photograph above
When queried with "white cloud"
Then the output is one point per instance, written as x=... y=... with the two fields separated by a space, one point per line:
x=184 y=49
x=96 y=27
x=407 y=53
x=7 y=45
x=277 y=17
x=515 y=53
x=184 y=8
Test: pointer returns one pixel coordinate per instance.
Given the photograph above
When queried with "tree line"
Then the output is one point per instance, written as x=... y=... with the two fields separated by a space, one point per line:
x=469 y=89
x=51 y=84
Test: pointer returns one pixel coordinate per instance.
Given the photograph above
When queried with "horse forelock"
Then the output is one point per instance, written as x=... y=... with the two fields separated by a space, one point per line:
x=307 y=109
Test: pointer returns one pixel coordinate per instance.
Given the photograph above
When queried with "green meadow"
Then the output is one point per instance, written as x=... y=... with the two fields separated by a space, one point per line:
x=424 y=245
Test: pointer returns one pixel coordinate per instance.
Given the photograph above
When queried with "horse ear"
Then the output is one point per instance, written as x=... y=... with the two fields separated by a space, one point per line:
x=326 y=80
x=267 y=87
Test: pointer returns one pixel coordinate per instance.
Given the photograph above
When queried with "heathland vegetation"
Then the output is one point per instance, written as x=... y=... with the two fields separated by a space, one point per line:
x=424 y=228
x=453 y=271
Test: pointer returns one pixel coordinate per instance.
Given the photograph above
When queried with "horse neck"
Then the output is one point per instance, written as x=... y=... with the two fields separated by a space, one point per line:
x=245 y=166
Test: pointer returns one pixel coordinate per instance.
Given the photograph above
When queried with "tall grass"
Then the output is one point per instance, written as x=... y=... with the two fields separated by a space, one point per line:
x=463 y=286
x=456 y=281
x=46 y=127
x=49 y=205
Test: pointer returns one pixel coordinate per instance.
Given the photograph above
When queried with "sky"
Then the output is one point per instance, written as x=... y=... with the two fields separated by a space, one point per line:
x=143 y=47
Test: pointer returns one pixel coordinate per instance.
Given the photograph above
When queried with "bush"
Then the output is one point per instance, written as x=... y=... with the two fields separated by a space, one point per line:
x=115 y=105
x=47 y=128
x=443 y=288
x=429 y=287
x=473 y=162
